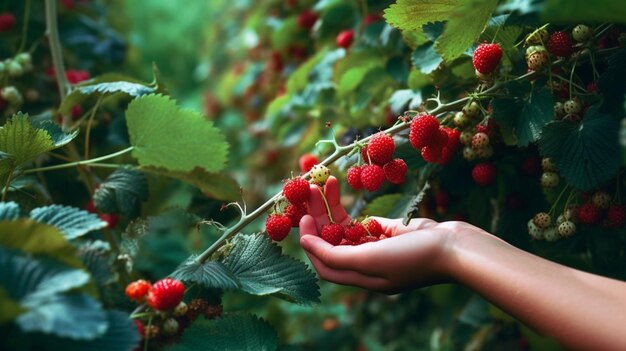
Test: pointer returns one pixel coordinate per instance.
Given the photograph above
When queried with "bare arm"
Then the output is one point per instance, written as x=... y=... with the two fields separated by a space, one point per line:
x=580 y=310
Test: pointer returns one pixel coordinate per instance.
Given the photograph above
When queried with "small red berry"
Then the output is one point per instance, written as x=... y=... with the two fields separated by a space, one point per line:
x=165 y=294
x=296 y=190
x=424 y=131
x=333 y=233
x=307 y=161
x=484 y=173
x=487 y=57
x=295 y=212
x=616 y=216
x=395 y=171
x=374 y=228
x=380 y=148
x=76 y=76
x=454 y=141
x=345 y=38
x=7 y=22
x=354 y=232
x=307 y=19
x=560 y=44
x=111 y=218
x=588 y=214
x=140 y=327
x=368 y=239
x=278 y=226
x=354 y=177
x=77 y=112
x=137 y=290
x=432 y=153
x=372 y=177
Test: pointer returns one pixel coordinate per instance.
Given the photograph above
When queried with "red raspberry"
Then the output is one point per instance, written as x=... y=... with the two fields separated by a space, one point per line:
x=307 y=161
x=7 y=22
x=588 y=214
x=432 y=153
x=347 y=242
x=616 y=216
x=354 y=177
x=354 y=232
x=454 y=140
x=307 y=19
x=332 y=233
x=372 y=18
x=484 y=173
x=442 y=138
x=368 y=239
x=424 y=131
x=295 y=212
x=137 y=290
x=165 y=294
x=77 y=112
x=372 y=177
x=374 y=228
x=91 y=207
x=278 y=226
x=296 y=190
x=345 y=38
x=395 y=171
x=380 y=148
x=111 y=219
x=364 y=154
x=140 y=327
x=487 y=57
x=76 y=76
x=560 y=44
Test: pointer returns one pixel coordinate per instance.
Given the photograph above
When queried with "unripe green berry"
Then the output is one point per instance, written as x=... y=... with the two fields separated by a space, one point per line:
x=319 y=174
x=547 y=164
x=534 y=231
x=460 y=119
x=581 y=33
x=469 y=153
x=542 y=220
x=472 y=109
x=567 y=228
x=484 y=152
x=170 y=327
x=550 y=234
x=14 y=68
x=12 y=95
x=466 y=137
x=601 y=200
x=571 y=107
x=549 y=179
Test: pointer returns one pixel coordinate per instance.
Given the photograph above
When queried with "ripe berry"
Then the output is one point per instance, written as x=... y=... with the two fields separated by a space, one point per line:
x=542 y=220
x=296 y=190
x=616 y=216
x=307 y=19
x=567 y=228
x=354 y=177
x=484 y=173
x=374 y=228
x=165 y=294
x=432 y=153
x=487 y=57
x=7 y=22
x=306 y=162
x=480 y=140
x=345 y=38
x=278 y=226
x=295 y=212
x=451 y=146
x=380 y=148
x=581 y=33
x=319 y=174
x=76 y=76
x=395 y=171
x=354 y=232
x=560 y=44
x=601 y=200
x=332 y=233
x=549 y=179
x=424 y=131
x=572 y=106
x=347 y=242
x=111 y=219
x=368 y=239
x=588 y=214
x=372 y=177
x=137 y=290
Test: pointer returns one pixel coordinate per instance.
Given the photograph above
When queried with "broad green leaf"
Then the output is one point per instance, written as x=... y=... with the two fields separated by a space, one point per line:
x=425 y=58
x=70 y=221
x=22 y=141
x=59 y=137
x=586 y=154
x=413 y=14
x=262 y=269
x=506 y=113
x=122 y=191
x=417 y=80
x=574 y=11
x=351 y=79
x=286 y=34
x=164 y=135
x=382 y=205
x=98 y=262
x=298 y=80
x=464 y=27
x=210 y=274
x=214 y=185
x=230 y=332
x=9 y=211
x=537 y=111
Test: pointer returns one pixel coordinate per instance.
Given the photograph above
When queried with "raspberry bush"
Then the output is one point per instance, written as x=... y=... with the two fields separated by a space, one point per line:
x=129 y=222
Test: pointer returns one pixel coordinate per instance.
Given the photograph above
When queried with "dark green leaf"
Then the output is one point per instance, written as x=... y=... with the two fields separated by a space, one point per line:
x=262 y=269
x=574 y=11
x=122 y=191
x=403 y=99
x=98 y=263
x=382 y=205
x=586 y=154
x=210 y=274
x=425 y=58
x=9 y=211
x=611 y=83
x=70 y=221
x=538 y=111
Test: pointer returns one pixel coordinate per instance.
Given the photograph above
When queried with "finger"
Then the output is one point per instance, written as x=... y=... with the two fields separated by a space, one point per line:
x=333 y=197
x=346 y=277
x=394 y=227
x=317 y=208
x=354 y=258
x=308 y=226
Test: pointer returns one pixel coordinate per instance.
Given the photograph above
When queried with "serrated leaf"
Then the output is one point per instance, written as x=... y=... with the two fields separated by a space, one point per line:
x=9 y=210
x=19 y=139
x=164 y=135
x=574 y=11
x=58 y=136
x=586 y=154
x=464 y=27
x=413 y=14
x=262 y=269
x=98 y=263
x=210 y=274
x=122 y=191
x=231 y=332
x=70 y=221
x=537 y=111
x=382 y=205
x=425 y=58
x=214 y=185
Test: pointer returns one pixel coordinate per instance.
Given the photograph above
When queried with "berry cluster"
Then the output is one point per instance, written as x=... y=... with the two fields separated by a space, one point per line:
x=436 y=143
x=278 y=225
x=354 y=233
x=539 y=45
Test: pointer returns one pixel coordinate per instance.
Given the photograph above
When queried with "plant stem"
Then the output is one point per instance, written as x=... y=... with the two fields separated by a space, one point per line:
x=330 y=215
x=88 y=132
x=25 y=26
x=92 y=162
x=56 y=51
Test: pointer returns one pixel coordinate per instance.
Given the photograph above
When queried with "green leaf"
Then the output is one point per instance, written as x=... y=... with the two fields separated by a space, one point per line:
x=587 y=153
x=210 y=274
x=464 y=27
x=262 y=269
x=59 y=137
x=413 y=14
x=9 y=210
x=122 y=191
x=286 y=33
x=19 y=139
x=230 y=332
x=611 y=83
x=403 y=99
x=9 y=308
x=573 y=11
x=425 y=58
x=98 y=262
x=505 y=35
x=180 y=140
x=351 y=79
x=217 y=186
x=70 y=221
x=381 y=205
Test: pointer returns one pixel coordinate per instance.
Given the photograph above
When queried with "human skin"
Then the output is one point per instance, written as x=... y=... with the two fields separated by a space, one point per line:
x=582 y=311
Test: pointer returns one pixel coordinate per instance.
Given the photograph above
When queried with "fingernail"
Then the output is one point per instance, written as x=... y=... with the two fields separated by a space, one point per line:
x=305 y=243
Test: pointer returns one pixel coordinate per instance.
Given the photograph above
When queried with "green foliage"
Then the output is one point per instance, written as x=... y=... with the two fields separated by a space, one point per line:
x=413 y=14
x=9 y=211
x=612 y=85
x=425 y=58
x=382 y=205
x=70 y=221
x=210 y=274
x=179 y=140
x=122 y=191
x=231 y=332
x=586 y=154
x=217 y=186
x=580 y=11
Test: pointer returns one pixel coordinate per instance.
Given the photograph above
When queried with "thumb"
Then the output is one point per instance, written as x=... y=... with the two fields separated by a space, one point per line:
x=308 y=226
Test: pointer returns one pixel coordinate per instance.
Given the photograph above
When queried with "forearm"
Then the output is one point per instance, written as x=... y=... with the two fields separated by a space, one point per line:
x=580 y=310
